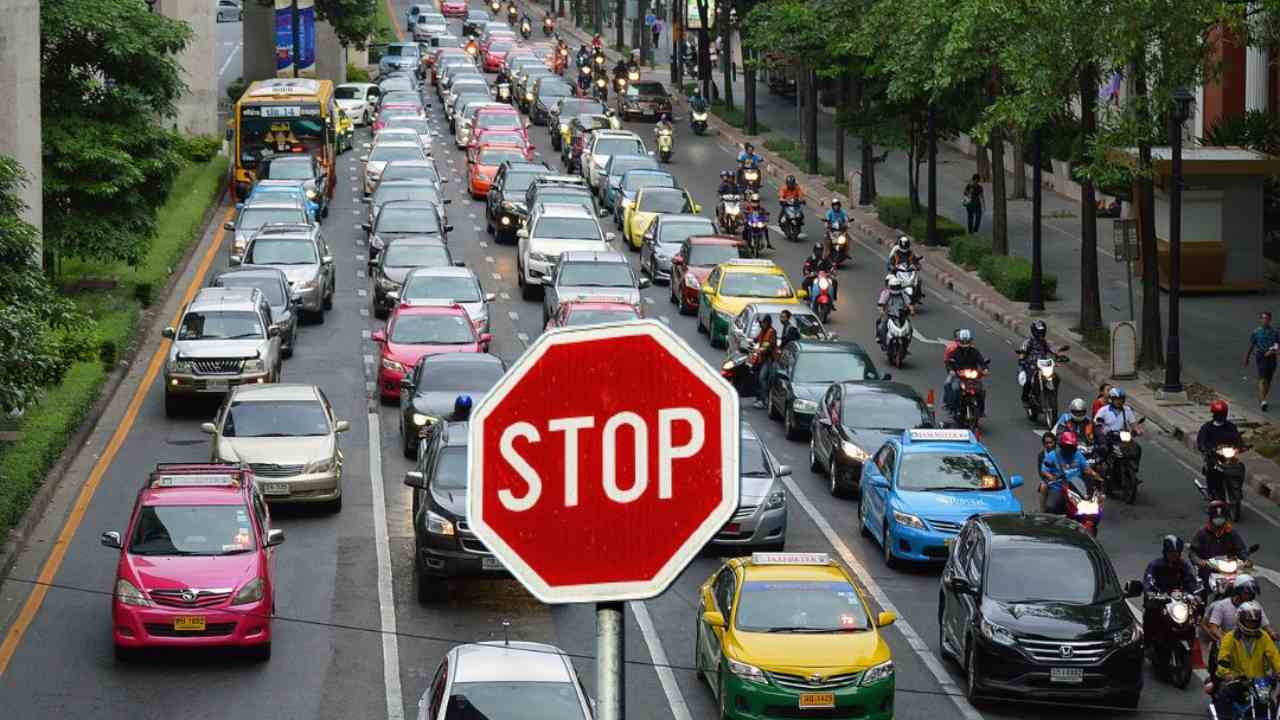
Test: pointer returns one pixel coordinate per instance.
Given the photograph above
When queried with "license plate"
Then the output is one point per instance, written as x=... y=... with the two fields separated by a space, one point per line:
x=188 y=623
x=274 y=488
x=817 y=700
x=491 y=563
x=1069 y=676
x=215 y=385
x=947 y=543
x=648 y=111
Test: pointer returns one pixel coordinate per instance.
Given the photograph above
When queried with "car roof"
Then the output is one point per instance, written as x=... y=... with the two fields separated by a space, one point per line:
x=273 y=205
x=440 y=271
x=357 y=85
x=419 y=240
x=1013 y=528
x=715 y=240
x=223 y=298
x=411 y=204
x=677 y=218
x=591 y=256
x=557 y=179
x=609 y=133
x=599 y=301
x=515 y=661
x=564 y=210
x=949 y=440
x=298 y=158
x=285 y=230
x=275 y=392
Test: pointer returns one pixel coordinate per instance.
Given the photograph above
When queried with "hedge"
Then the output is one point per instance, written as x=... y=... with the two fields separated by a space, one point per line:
x=357 y=74
x=895 y=211
x=969 y=251
x=1011 y=277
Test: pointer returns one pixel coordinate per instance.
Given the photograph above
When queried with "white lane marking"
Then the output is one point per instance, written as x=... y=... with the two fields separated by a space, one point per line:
x=488 y=258
x=918 y=645
x=386 y=601
x=484 y=244
x=649 y=300
x=523 y=337
x=670 y=688
x=504 y=296
x=355 y=212
x=362 y=292
x=513 y=315
x=497 y=276
x=932 y=341
x=357 y=226
x=364 y=312
x=227 y=63
x=366 y=334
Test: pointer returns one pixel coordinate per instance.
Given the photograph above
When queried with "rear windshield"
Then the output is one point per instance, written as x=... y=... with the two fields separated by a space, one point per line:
x=416 y=255
x=648 y=88
x=270 y=287
x=461 y=289
x=253 y=218
x=387 y=153
x=408 y=220
x=595 y=274
x=619 y=146
x=281 y=251
x=401 y=50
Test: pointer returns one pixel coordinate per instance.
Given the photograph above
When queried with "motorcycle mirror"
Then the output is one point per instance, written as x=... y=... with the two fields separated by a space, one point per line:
x=1132 y=589
x=1064 y=348
x=1254 y=548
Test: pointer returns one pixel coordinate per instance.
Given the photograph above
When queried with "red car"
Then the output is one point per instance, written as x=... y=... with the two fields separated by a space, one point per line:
x=195 y=565
x=506 y=138
x=698 y=256
x=453 y=8
x=596 y=310
x=423 y=329
x=494 y=54
x=482 y=171
x=500 y=118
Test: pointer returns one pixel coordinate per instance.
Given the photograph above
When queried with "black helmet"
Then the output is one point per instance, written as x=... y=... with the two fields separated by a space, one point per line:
x=818 y=248
x=1039 y=329
x=725 y=174
x=462 y=407
x=791 y=181
x=1173 y=544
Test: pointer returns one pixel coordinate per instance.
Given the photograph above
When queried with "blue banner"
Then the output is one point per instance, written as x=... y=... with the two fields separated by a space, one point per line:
x=306 y=38
x=284 y=38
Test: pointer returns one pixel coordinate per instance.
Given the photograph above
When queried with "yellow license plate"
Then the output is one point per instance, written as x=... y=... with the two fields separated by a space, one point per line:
x=947 y=543
x=817 y=700
x=188 y=623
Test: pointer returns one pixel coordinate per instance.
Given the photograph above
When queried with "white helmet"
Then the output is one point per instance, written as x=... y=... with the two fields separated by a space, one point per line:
x=895 y=285
x=889 y=278
x=1078 y=409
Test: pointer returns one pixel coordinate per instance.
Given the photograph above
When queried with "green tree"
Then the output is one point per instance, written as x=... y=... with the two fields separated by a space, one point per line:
x=353 y=21
x=109 y=82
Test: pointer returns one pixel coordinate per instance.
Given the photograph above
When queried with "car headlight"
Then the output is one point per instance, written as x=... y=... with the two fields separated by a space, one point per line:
x=876 y=673
x=127 y=594
x=438 y=525
x=777 y=499
x=179 y=366
x=745 y=671
x=908 y=519
x=853 y=452
x=540 y=257
x=996 y=633
x=253 y=591
x=392 y=365
x=388 y=284
x=419 y=419
x=254 y=365
x=321 y=466
x=1128 y=636
x=307 y=285
x=801 y=405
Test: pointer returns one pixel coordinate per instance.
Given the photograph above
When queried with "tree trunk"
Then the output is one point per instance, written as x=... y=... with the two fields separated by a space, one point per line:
x=704 y=50
x=983 y=164
x=913 y=190
x=1151 y=355
x=1019 y=170
x=1090 y=293
x=842 y=92
x=751 y=127
x=726 y=54
x=619 y=24
x=867 y=188
x=811 y=123
x=931 y=218
x=999 y=202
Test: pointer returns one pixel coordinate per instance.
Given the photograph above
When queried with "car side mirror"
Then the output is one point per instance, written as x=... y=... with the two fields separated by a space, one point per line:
x=379 y=336
x=273 y=331
x=697 y=208
x=235 y=260
x=208 y=428
x=1015 y=481
x=367 y=227
x=486 y=338
x=490 y=297
x=784 y=471
x=645 y=282
x=713 y=618
x=239 y=206
x=961 y=586
x=448 y=228
x=169 y=333
x=886 y=618
x=459 y=263
x=229 y=226
x=602 y=212
x=1133 y=589
x=111 y=539
x=802 y=294
x=326 y=260
x=415 y=479
x=274 y=537
x=341 y=426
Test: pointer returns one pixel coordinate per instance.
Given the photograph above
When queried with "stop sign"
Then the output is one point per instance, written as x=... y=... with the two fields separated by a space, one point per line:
x=602 y=462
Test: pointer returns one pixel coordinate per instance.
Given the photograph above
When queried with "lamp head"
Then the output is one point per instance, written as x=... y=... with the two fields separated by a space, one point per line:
x=1183 y=99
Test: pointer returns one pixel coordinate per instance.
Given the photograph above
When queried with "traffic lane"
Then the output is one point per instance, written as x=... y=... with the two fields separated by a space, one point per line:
x=228 y=56
x=321 y=573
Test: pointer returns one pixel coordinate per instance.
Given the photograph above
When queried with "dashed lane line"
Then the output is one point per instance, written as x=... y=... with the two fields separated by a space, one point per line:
x=386 y=599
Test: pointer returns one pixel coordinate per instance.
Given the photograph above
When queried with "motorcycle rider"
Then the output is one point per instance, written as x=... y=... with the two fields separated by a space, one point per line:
x=1217 y=432
x=892 y=301
x=1048 y=441
x=1031 y=349
x=597 y=43
x=727 y=185
x=751 y=205
x=1076 y=419
x=791 y=191
x=901 y=255
x=964 y=357
x=816 y=261
x=619 y=73
x=633 y=63
x=1217 y=538
x=503 y=76
x=1063 y=465
x=1220 y=616
x=524 y=18
x=472 y=47
x=748 y=156
x=1246 y=653
x=697 y=103
x=1114 y=417
x=1165 y=574
x=584 y=55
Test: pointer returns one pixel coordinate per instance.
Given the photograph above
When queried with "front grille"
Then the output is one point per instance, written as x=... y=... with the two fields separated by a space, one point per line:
x=945 y=526
x=218 y=366
x=201 y=598
x=271 y=470
x=1076 y=652
x=801 y=682
x=210 y=630
x=746 y=512
x=791 y=711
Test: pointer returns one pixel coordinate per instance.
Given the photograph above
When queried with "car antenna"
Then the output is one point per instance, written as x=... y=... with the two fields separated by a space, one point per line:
x=506 y=636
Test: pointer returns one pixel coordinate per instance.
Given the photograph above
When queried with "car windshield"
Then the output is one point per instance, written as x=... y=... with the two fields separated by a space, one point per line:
x=635 y=181
x=619 y=146
x=281 y=252
x=220 y=325
x=517 y=183
x=884 y=412
x=270 y=287
x=192 y=530
x=458 y=288
x=497 y=156
x=451 y=468
x=674 y=233
x=497 y=120
x=765 y=285
x=707 y=255
x=289 y=169
x=278 y=418
x=508 y=700
x=595 y=274
x=416 y=255
x=753 y=462
x=798 y=606
x=416 y=124
x=409 y=171
x=346 y=92
x=567 y=229
x=471 y=378
x=583 y=316
x=1055 y=573
x=253 y=218
x=829 y=367
x=647 y=88
x=929 y=471
x=419 y=192
x=408 y=220
x=432 y=329
x=387 y=153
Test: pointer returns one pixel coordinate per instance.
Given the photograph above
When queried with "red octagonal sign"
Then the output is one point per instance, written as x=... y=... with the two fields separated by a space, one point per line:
x=602 y=462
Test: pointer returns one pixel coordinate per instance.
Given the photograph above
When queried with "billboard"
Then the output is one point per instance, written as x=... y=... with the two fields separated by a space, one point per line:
x=284 y=38
x=306 y=38
x=304 y=55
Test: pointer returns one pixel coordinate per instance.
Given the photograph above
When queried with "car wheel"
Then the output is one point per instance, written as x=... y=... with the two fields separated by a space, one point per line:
x=172 y=408
x=890 y=560
x=770 y=406
x=701 y=329
x=814 y=465
x=697 y=653
x=410 y=442
x=318 y=317
x=942 y=636
x=260 y=653
x=972 y=690
x=328 y=300
x=794 y=431
x=334 y=506
x=430 y=589
x=379 y=312
x=862 y=522
x=529 y=291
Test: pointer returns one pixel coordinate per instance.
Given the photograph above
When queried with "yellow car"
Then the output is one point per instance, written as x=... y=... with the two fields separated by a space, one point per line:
x=734 y=284
x=789 y=635
x=649 y=203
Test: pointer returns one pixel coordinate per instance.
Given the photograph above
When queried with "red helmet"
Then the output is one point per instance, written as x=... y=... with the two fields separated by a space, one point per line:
x=1068 y=441
x=1219 y=409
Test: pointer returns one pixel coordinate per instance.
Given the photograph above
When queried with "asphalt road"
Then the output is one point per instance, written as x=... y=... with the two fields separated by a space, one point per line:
x=228 y=55
x=329 y=660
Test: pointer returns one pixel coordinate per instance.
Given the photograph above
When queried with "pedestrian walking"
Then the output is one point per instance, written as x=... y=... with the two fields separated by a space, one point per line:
x=1264 y=344
x=656 y=28
x=973 y=203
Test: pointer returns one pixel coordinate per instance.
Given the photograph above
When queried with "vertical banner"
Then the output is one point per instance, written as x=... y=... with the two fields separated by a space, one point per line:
x=284 y=38
x=306 y=38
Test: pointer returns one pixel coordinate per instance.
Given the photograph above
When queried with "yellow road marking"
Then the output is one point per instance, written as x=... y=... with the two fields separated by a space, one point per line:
x=50 y=571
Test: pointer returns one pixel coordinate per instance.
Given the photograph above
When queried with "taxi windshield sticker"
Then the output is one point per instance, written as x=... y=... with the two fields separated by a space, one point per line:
x=990 y=482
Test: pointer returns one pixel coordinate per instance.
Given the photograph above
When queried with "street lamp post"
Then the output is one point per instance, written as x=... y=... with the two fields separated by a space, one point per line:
x=1181 y=110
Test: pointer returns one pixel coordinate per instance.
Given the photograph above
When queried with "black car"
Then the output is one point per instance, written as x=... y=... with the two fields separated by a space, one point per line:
x=473 y=25
x=1031 y=607
x=647 y=99
x=565 y=110
x=428 y=393
x=853 y=420
x=443 y=547
x=504 y=207
x=563 y=190
x=547 y=92
x=274 y=285
x=803 y=372
x=402 y=256
x=403 y=218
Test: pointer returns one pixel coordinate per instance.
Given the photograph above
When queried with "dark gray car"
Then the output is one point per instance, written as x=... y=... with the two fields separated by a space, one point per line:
x=274 y=285
x=428 y=393
x=585 y=274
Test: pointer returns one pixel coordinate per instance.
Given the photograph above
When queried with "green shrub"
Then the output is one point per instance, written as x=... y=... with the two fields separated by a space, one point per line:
x=355 y=73
x=735 y=117
x=969 y=251
x=200 y=148
x=894 y=211
x=1011 y=277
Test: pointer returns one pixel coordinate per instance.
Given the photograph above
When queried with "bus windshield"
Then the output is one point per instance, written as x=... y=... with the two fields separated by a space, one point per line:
x=279 y=129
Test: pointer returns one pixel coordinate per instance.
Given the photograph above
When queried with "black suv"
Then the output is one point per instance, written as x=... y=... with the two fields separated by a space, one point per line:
x=1031 y=607
x=504 y=208
x=443 y=545
x=804 y=371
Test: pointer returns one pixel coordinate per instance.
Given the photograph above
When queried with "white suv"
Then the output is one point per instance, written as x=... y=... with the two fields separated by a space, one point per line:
x=551 y=230
x=604 y=144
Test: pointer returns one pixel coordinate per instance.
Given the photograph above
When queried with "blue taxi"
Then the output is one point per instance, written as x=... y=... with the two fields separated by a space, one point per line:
x=918 y=490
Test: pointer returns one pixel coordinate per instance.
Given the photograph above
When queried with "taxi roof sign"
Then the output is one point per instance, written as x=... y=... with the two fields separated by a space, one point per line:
x=786 y=558
x=940 y=434
x=173 y=481
x=750 y=262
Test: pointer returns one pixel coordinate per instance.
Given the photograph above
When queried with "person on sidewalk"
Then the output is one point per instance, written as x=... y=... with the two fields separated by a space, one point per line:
x=1264 y=343
x=657 y=27
x=973 y=203
x=1098 y=402
x=767 y=342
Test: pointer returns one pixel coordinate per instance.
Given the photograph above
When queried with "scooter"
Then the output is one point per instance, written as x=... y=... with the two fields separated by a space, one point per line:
x=897 y=338
x=665 y=143
x=1256 y=700
x=792 y=220
x=633 y=74
x=739 y=369
x=821 y=300
x=562 y=61
x=968 y=410
x=749 y=178
x=698 y=121
x=600 y=90
x=548 y=26
x=495 y=6
x=512 y=14
x=504 y=92
x=525 y=29
x=1084 y=509
x=1169 y=646
x=838 y=243
x=909 y=276
x=1122 y=465
x=729 y=214
x=755 y=232
x=1222 y=574
x=1225 y=459
x=1043 y=396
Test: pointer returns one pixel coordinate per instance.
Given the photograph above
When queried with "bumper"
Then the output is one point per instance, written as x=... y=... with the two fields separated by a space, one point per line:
x=460 y=563
x=312 y=301
x=919 y=545
x=747 y=700
x=763 y=527
x=661 y=268
x=479 y=186
x=197 y=385
x=389 y=382
x=236 y=626
x=313 y=487
x=1005 y=671
x=689 y=298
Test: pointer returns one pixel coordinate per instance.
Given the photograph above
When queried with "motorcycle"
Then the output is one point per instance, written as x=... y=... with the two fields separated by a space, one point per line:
x=512 y=14
x=619 y=85
x=698 y=121
x=822 y=300
x=1043 y=396
x=495 y=6
x=1122 y=466
x=1256 y=700
x=791 y=220
x=665 y=143
x=729 y=214
x=838 y=243
x=968 y=409
x=908 y=275
x=525 y=29
x=740 y=370
x=897 y=333
x=749 y=178
x=597 y=61
x=600 y=90
x=504 y=92
x=1225 y=460
x=756 y=231
x=1222 y=574
x=548 y=27
x=575 y=156
x=1169 y=645
x=561 y=62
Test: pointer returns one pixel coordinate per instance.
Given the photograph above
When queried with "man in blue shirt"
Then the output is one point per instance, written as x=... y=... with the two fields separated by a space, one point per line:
x=1066 y=464
x=836 y=215
x=1263 y=347
x=749 y=157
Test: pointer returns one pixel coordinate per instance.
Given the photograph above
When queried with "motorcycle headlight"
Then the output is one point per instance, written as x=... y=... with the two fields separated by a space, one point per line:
x=731 y=211
x=253 y=591
x=1227 y=452
x=1228 y=566
x=1125 y=436
x=254 y=365
x=528 y=96
x=127 y=594
x=1179 y=612
x=877 y=673
x=321 y=466
x=1046 y=372
x=727 y=365
x=420 y=420
x=392 y=365
x=745 y=671
x=438 y=525
x=996 y=633
x=854 y=452
x=1087 y=507
x=908 y=519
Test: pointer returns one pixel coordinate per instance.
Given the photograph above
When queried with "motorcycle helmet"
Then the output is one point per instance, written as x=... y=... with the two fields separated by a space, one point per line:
x=1219 y=410
x=748 y=148
x=1249 y=619
x=725 y=174
x=835 y=203
x=1039 y=329
x=1078 y=410
x=1245 y=584
x=895 y=285
x=462 y=408
x=1115 y=394
x=791 y=181
x=1068 y=442
x=904 y=243
x=1218 y=513
x=818 y=249
x=964 y=337
x=1172 y=544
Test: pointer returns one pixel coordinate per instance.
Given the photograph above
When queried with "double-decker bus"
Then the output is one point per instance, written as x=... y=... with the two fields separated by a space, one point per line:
x=280 y=116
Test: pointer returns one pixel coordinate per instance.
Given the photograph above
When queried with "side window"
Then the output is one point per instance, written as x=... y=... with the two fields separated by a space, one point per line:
x=832 y=402
x=714 y=278
x=260 y=510
x=437 y=690
x=740 y=322
x=724 y=588
x=977 y=559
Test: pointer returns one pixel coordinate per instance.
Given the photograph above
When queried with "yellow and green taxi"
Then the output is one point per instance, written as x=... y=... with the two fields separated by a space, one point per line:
x=735 y=284
x=789 y=635
x=651 y=202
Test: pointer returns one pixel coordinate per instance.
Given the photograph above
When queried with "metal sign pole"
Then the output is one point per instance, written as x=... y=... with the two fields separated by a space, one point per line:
x=610 y=644
x=1123 y=241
